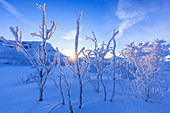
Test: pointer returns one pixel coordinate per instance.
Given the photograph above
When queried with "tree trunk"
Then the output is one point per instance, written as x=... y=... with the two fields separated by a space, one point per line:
x=61 y=91
x=41 y=95
x=41 y=88
x=113 y=93
x=147 y=94
x=114 y=78
x=98 y=83
x=101 y=78
x=104 y=88
x=81 y=91
x=69 y=96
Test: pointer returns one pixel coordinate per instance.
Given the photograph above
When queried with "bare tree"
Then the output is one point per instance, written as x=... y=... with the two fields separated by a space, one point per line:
x=113 y=64
x=99 y=61
x=80 y=70
x=95 y=61
x=39 y=59
x=62 y=74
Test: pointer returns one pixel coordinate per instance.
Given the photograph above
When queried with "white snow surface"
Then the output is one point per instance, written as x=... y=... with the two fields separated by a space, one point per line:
x=16 y=97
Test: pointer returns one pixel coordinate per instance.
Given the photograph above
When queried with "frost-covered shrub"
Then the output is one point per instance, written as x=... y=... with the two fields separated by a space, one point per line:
x=102 y=66
x=145 y=65
x=39 y=58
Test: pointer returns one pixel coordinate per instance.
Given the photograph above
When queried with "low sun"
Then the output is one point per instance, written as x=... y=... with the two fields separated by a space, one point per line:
x=70 y=54
x=71 y=57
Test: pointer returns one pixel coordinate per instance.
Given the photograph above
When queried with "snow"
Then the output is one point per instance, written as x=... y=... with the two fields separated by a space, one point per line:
x=16 y=97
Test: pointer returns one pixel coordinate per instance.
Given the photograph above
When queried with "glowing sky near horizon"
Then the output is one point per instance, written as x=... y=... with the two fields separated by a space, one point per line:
x=137 y=20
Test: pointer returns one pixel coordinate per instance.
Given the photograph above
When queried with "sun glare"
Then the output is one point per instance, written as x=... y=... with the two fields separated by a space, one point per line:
x=71 y=57
x=69 y=53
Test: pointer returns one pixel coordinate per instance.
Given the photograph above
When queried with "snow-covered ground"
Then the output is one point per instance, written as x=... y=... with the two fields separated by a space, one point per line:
x=16 y=97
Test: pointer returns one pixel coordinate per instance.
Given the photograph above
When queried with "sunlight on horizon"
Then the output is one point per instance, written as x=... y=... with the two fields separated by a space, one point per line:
x=69 y=53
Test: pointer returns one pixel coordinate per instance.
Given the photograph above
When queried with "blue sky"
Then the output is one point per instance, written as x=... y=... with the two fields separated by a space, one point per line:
x=137 y=20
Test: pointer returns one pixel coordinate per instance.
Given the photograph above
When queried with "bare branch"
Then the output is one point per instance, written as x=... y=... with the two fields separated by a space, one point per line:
x=69 y=67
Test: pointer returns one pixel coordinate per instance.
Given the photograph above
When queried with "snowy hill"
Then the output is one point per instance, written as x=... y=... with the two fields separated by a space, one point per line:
x=9 y=55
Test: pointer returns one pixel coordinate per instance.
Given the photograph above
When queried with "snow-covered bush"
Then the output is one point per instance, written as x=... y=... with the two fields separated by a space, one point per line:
x=99 y=53
x=145 y=62
x=39 y=59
